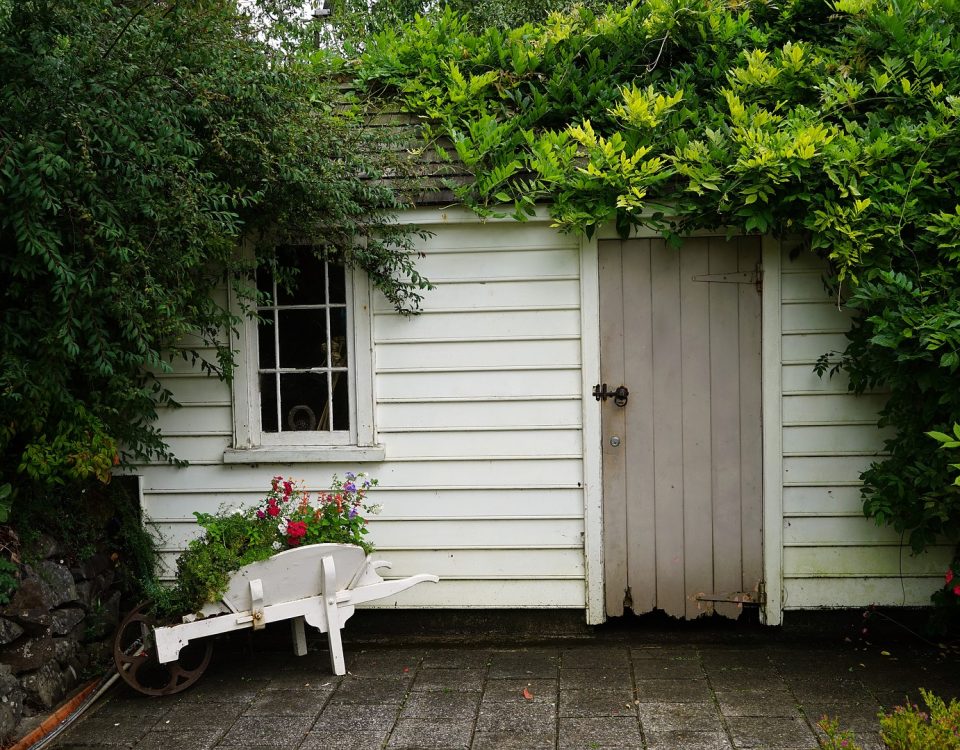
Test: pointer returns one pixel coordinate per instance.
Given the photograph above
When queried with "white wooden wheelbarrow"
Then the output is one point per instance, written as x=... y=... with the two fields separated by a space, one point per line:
x=319 y=584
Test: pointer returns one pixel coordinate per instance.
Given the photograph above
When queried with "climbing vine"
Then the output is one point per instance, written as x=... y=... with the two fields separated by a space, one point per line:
x=835 y=121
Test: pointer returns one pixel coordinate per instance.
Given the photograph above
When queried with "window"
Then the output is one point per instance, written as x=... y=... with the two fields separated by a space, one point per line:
x=303 y=389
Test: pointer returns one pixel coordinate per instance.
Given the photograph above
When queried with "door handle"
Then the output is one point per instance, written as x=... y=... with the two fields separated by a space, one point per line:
x=619 y=396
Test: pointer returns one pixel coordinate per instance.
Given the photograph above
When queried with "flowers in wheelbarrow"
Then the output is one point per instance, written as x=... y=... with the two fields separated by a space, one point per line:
x=288 y=516
x=328 y=516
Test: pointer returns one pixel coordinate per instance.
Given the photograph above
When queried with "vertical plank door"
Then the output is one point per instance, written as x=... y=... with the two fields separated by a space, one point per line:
x=682 y=458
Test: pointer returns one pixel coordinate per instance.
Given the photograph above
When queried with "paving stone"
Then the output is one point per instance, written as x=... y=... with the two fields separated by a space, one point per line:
x=303 y=703
x=758 y=703
x=594 y=657
x=687 y=740
x=597 y=702
x=606 y=732
x=672 y=717
x=827 y=687
x=746 y=657
x=513 y=741
x=530 y=718
x=672 y=691
x=264 y=732
x=289 y=679
x=431 y=734
x=122 y=706
x=456 y=680
x=524 y=664
x=653 y=669
x=351 y=718
x=771 y=733
x=370 y=690
x=386 y=663
x=665 y=652
x=440 y=705
x=457 y=658
x=348 y=740
x=745 y=678
x=511 y=691
x=193 y=715
x=224 y=690
x=196 y=738
x=113 y=732
x=861 y=715
x=611 y=677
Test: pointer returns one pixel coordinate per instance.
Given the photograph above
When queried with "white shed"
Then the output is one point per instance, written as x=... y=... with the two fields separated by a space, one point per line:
x=730 y=470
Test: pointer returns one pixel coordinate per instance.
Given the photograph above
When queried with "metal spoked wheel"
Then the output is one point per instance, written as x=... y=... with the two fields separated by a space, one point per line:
x=135 y=656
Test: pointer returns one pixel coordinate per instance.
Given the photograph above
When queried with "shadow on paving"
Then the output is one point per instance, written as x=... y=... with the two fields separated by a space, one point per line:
x=616 y=687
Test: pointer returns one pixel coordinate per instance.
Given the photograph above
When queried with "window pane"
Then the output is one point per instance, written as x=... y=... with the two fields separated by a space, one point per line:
x=341 y=401
x=338 y=332
x=303 y=400
x=303 y=335
x=268 y=402
x=264 y=280
x=309 y=286
x=268 y=357
x=338 y=285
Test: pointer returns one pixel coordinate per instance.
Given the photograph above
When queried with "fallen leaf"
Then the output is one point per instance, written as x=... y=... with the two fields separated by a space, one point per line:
x=405 y=669
x=884 y=653
x=527 y=695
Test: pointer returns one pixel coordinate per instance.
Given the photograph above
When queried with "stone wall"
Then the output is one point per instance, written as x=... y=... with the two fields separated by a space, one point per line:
x=56 y=631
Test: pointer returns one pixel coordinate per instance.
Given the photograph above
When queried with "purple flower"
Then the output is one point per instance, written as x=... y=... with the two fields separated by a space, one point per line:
x=261 y=514
x=349 y=487
x=353 y=512
x=350 y=476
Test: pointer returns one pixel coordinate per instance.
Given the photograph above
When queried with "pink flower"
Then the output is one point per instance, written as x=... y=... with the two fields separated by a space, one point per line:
x=261 y=515
x=956 y=589
x=949 y=576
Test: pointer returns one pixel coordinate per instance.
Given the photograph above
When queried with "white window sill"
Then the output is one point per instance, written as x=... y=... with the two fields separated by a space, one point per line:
x=304 y=454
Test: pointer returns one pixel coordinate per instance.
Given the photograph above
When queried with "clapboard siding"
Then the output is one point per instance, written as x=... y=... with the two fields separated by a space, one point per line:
x=478 y=407
x=832 y=555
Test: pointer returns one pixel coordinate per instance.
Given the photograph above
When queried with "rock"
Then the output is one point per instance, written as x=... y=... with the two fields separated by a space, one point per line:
x=62 y=621
x=103 y=619
x=33 y=593
x=69 y=677
x=96 y=565
x=85 y=593
x=27 y=654
x=34 y=621
x=11 y=704
x=97 y=656
x=9 y=631
x=60 y=580
x=44 y=687
x=47 y=547
x=64 y=650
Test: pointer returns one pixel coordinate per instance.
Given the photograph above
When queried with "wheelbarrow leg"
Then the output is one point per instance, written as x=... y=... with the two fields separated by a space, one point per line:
x=299 y=636
x=329 y=578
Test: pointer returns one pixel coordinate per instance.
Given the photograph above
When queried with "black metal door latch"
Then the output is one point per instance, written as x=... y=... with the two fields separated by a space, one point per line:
x=619 y=396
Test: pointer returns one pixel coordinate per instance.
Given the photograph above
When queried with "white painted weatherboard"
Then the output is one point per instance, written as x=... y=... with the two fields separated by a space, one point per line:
x=478 y=407
x=832 y=555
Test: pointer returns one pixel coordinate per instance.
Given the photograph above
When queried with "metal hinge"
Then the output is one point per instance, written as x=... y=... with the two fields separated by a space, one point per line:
x=743 y=598
x=754 y=277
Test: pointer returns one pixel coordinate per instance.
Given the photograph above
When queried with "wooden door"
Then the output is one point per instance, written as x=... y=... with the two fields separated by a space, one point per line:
x=680 y=329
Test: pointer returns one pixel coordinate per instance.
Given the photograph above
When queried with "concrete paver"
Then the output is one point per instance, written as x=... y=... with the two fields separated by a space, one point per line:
x=605 y=693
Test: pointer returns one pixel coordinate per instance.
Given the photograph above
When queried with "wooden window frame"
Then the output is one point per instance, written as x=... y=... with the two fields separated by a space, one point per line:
x=252 y=445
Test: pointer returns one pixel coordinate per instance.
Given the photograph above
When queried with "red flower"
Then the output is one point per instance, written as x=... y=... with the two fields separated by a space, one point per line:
x=294 y=541
x=956 y=590
x=949 y=576
x=296 y=530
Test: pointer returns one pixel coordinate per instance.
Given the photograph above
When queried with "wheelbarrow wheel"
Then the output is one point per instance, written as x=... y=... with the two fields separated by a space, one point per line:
x=135 y=655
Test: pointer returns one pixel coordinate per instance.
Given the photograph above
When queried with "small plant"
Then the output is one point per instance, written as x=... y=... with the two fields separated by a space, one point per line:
x=910 y=728
x=9 y=580
x=836 y=739
x=288 y=517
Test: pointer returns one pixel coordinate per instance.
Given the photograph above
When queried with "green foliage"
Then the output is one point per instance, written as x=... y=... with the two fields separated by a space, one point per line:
x=8 y=580
x=910 y=728
x=141 y=144
x=288 y=517
x=835 y=122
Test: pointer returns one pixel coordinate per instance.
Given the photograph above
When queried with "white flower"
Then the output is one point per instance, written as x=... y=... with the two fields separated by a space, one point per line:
x=277 y=545
x=282 y=526
x=374 y=510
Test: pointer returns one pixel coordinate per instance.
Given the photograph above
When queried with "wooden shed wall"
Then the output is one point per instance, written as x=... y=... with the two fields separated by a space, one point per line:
x=832 y=555
x=478 y=406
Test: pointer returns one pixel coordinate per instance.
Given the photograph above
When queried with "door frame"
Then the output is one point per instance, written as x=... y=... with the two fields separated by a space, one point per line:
x=771 y=424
